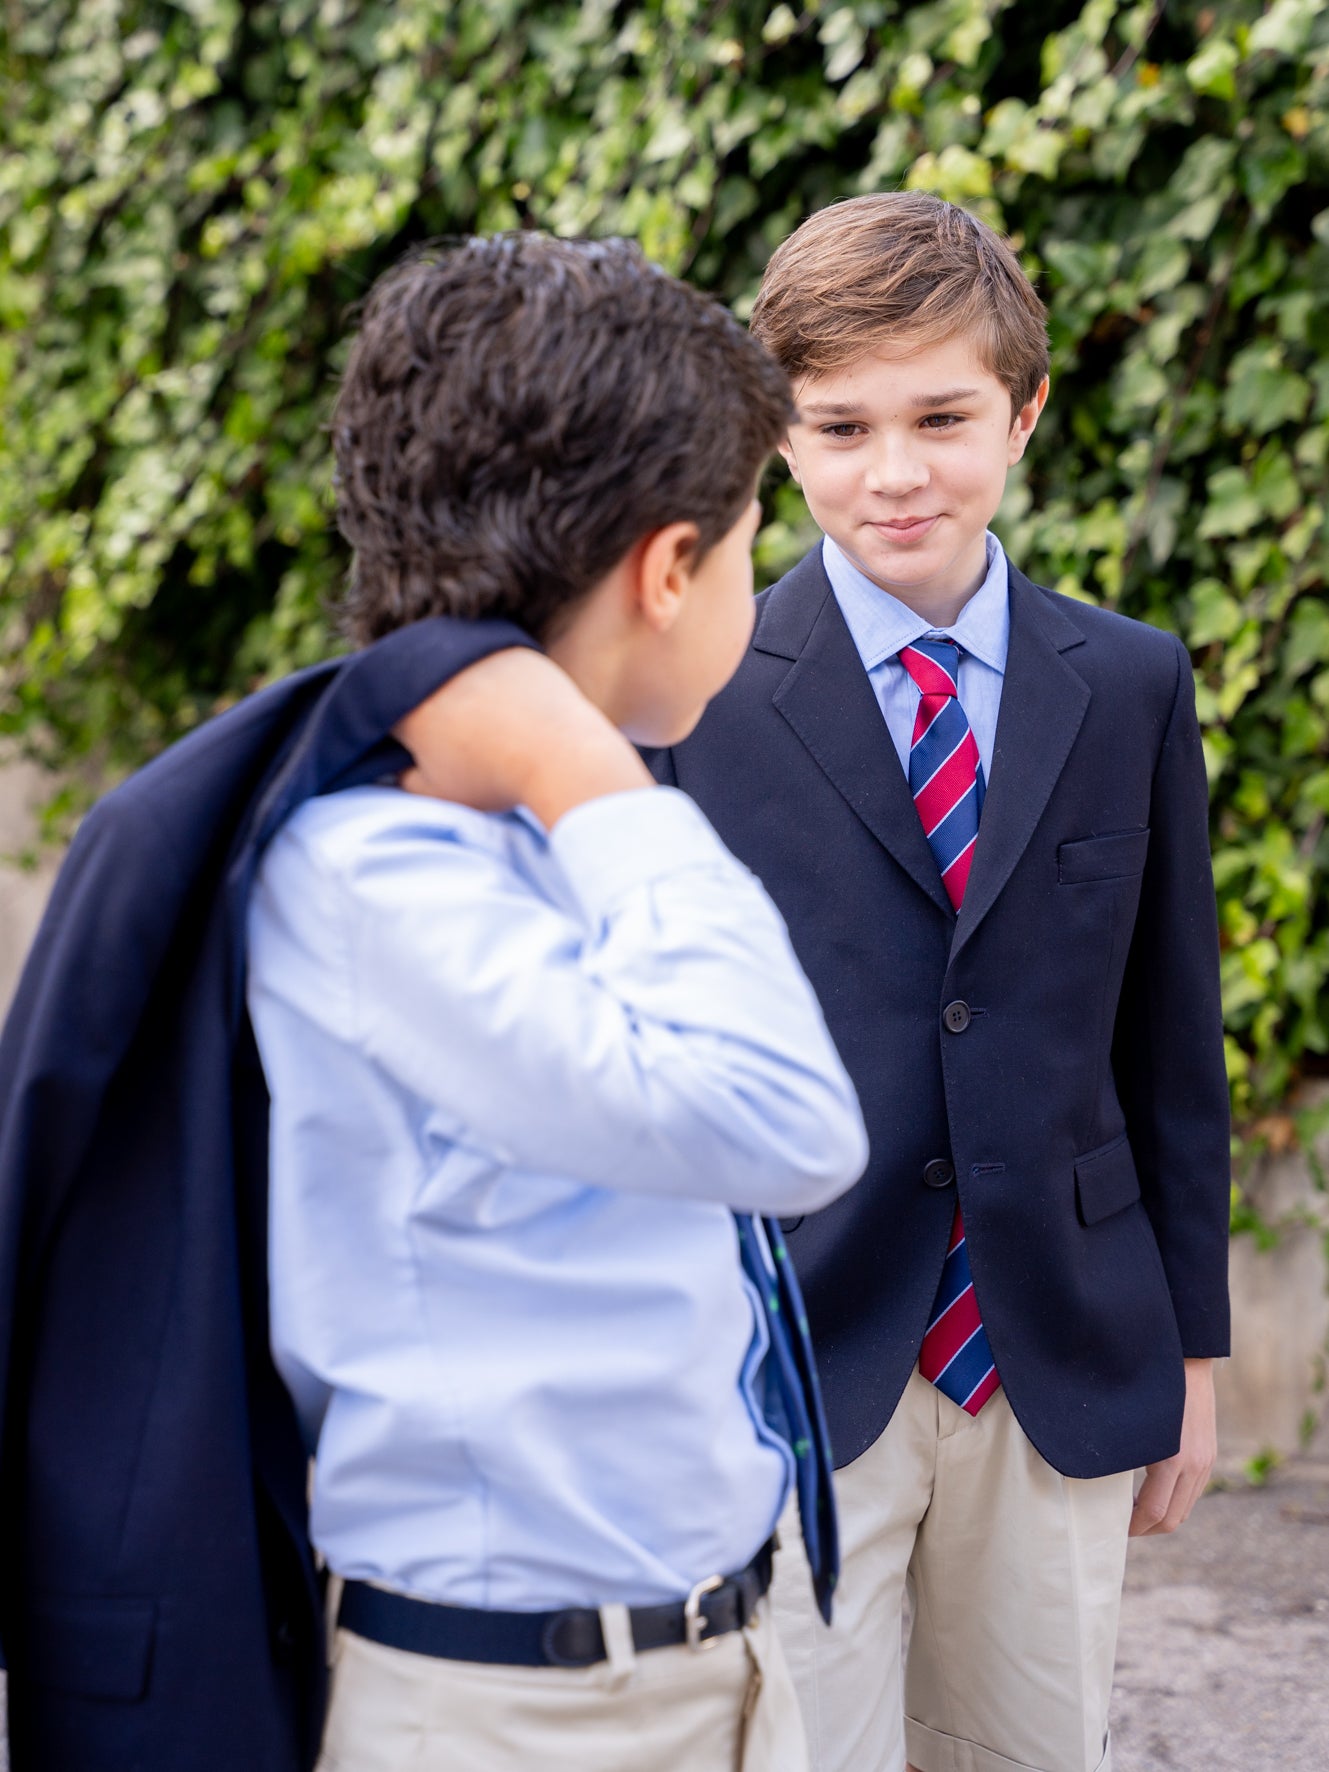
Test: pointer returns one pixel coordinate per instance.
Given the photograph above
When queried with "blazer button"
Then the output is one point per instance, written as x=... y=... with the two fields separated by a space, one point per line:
x=939 y=1172
x=956 y=1017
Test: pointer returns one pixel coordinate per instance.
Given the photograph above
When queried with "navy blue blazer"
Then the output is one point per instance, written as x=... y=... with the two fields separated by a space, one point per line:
x=1054 y=1054
x=159 y=1606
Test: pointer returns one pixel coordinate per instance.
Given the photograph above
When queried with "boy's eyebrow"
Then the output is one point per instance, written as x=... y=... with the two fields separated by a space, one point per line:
x=851 y=409
x=947 y=397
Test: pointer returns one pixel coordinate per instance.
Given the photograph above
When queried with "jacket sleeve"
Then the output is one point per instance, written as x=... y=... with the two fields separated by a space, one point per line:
x=1168 y=1043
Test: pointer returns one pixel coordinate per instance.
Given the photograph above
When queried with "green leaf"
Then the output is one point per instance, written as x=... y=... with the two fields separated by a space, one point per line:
x=845 y=41
x=1164 y=262
x=1262 y=392
x=1308 y=637
x=1215 y=614
x=955 y=174
x=1266 y=172
x=1197 y=220
x=1285 y=28
x=1213 y=68
x=1232 y=507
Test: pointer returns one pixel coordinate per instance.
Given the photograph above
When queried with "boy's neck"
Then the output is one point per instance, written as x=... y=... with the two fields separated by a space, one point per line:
x=588 y=647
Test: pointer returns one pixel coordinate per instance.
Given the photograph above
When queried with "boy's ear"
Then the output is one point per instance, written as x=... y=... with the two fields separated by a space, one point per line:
x=664 y=572
x=1025 y=420
x=790 y=460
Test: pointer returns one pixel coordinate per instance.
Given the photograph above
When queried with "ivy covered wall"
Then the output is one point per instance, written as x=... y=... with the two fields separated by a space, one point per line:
x=193 y=195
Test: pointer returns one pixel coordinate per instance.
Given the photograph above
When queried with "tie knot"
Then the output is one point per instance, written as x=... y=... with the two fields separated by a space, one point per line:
x=934 y=664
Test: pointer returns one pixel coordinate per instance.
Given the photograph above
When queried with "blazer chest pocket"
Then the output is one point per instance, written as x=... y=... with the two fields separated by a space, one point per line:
x=1105 y=1181
x=1117 y=857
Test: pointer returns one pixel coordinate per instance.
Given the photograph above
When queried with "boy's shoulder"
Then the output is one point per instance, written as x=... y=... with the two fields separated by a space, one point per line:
x=342 y=836
x=1109 y=650
x=1109 y=626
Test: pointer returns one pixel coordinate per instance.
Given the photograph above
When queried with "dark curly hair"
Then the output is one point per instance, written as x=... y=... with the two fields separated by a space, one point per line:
x=518 y=411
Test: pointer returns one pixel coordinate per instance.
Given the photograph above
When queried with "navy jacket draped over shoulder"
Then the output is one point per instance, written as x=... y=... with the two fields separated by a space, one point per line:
x=159 y=1606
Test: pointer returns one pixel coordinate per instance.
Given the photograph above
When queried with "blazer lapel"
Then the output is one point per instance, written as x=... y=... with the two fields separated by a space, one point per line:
x=829 y=702
x=1043 y=704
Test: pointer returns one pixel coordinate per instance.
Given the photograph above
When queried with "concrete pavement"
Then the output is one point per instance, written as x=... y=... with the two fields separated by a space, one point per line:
x=1223 y=1656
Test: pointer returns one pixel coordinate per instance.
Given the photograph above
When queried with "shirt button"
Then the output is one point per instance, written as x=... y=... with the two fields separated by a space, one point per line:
x=956 y=1017
x=940 y=1172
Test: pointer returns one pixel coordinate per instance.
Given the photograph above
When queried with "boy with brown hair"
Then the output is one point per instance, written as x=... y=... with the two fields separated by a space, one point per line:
x=982 y=809
x=538 y=1049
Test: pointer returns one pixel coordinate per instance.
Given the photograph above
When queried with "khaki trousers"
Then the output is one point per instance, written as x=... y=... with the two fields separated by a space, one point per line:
x=728 y=1708
x=1014 y=1577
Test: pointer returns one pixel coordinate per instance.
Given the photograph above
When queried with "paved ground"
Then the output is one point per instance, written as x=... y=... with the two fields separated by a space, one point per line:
x=1223 y=1663
x=1223 y=1658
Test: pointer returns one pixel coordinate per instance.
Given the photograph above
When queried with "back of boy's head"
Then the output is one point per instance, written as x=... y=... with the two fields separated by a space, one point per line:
x=895 y=272
x=518 y=411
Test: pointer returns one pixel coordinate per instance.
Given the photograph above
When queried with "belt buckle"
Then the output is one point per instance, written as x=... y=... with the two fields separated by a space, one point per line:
x=693 y=1622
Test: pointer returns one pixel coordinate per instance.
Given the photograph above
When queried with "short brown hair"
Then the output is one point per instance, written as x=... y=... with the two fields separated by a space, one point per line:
x=897 y=271
x=518 y=411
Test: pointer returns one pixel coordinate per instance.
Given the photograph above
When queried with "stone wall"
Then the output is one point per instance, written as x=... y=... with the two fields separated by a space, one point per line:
x=1272 y=1392
x=23 y=888
x=23 y=893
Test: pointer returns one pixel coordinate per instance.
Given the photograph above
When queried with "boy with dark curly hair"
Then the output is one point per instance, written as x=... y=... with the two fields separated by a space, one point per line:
x=533 y=1039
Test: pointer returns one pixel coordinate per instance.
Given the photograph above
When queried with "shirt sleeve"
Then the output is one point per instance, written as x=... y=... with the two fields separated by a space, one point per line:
x=658 y=1035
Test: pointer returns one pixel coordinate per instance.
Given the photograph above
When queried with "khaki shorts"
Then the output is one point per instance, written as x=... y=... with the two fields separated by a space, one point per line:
x=726 y=1708
x=1014 y=1577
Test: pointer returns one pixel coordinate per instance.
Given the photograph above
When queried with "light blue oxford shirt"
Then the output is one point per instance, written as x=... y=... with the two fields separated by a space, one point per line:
x=880 y=625
x=518 y=1081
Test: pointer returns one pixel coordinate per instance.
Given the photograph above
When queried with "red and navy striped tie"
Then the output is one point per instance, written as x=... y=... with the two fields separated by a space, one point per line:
x=946 y=780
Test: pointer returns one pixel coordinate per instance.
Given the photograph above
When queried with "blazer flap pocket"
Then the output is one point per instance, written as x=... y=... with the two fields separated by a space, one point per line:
x=1102 y=858
x=99 y=1645
x=1105 y=1180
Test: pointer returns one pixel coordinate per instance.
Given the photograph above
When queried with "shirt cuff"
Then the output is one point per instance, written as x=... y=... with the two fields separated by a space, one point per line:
x=620 y=842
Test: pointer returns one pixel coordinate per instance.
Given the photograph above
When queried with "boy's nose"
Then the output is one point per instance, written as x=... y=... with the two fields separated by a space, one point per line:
x=895 y=469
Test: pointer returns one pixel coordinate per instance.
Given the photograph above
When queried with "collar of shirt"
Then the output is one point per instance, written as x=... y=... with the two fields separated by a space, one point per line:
x=881 y=624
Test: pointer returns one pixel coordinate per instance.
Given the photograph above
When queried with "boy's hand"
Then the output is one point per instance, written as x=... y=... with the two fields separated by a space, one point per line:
x=1171 y=1489
x=514 y=730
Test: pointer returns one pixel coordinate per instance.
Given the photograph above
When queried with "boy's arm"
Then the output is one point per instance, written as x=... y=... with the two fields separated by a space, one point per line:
x=1171 y=1078
x=1167 y=1055
x=1172 y=1487
x=661 y=1038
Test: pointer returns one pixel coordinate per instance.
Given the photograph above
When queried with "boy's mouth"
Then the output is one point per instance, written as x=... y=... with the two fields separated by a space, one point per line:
x=905 y=528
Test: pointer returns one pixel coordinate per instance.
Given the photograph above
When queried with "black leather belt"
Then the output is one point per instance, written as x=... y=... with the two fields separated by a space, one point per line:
x=571 y=1638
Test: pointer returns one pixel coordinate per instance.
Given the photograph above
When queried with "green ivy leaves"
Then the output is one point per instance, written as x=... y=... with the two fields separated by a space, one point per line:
x=193 y=196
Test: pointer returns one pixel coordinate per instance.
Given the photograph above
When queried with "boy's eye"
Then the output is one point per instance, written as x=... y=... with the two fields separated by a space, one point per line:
x=841 y=430
x=942 y=421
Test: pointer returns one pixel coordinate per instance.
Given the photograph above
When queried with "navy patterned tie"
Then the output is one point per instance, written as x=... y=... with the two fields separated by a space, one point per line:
x=945 y=772
x=793 y=1396
x=946 y=780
